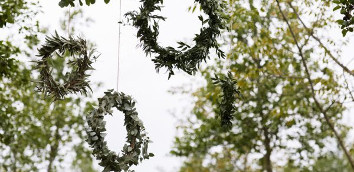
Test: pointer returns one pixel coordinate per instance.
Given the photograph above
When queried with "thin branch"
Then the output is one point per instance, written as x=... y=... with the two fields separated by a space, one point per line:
x=333 y=102
x=306 y=41
x=313 y=90
x=53 y=153
x=347 y=87
x=310 y=32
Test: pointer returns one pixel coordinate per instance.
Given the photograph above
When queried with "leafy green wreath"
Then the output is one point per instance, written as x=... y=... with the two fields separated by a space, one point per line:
x=186 y=58
x=76 y=80
x=137 y=146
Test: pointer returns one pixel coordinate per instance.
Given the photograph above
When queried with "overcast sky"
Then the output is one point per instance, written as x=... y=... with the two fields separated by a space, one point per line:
x=137 y=73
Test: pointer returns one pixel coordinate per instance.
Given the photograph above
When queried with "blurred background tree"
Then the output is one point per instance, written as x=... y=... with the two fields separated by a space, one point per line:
x=277 y=124
x=16 y=14
x=37 y=134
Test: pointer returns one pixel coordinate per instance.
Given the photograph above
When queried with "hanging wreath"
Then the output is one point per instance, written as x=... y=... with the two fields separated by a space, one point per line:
x=137 y=141
x=186 y=57
x=76 y=81
x=228 y=98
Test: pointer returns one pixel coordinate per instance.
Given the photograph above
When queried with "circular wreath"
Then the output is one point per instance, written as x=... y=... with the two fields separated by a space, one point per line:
x=186 y=58
x=76 y=81
x=137 y=141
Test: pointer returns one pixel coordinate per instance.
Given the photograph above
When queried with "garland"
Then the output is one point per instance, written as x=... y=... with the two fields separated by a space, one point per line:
x=137 y=146
x=229 y=92
x=346 y=8
x=186 y=58
x=76 y=80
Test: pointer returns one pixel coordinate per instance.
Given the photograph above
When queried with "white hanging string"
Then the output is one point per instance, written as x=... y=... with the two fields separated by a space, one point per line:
x=69 y=21
x=119 y=23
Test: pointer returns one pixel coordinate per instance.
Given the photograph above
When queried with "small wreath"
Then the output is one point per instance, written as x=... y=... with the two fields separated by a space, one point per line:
x=137 y=146
x=76 y=81
x=186 y=58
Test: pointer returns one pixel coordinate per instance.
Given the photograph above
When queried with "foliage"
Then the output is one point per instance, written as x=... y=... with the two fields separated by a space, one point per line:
x=331 y=162
x=65 y=3
x=9 y=10
x=136 y=136
x=229 y=91
x=34 y=131
x=346 y=8
x=75 y=81
x=15 y=11
x=222 y=161
x=186 y=57
x=277 y=114
x=6 y=62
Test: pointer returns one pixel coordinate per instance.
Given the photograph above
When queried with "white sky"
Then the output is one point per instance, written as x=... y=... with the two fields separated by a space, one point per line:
x=137 y=72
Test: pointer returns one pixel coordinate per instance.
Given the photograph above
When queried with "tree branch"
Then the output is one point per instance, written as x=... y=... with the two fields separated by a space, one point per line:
x=339 y=139
x=310 y=32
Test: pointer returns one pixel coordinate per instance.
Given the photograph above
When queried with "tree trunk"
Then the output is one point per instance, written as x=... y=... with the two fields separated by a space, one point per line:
x=53 y=150
x=14 y=167
x=267 y=165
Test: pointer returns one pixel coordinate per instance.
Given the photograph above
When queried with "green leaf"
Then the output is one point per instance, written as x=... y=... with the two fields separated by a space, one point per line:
x=344 y=32
x=62 y=4
x=336 y=8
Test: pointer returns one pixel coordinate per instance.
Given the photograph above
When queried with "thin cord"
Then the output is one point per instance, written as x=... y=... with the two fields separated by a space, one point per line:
x=230 y=47
x=69 y=22
x=119 y=23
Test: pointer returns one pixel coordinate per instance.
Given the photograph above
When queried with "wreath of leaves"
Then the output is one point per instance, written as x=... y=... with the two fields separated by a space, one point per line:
x=137 y=146
x=229 y=92
x=346 y=8
x=76 y=81
x=185 y=58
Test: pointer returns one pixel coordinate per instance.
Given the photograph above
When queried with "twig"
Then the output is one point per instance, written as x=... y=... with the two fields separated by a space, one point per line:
x=310 y=32
x=339 y=139
x=333 y=102
x=347 y=87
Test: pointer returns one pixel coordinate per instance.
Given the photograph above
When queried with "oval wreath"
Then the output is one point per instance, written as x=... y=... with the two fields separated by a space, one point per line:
x=186 y=58
x=76 y=81
x=137 y=146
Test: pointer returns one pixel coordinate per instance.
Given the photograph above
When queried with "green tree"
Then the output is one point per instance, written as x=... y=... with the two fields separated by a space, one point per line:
x=36 y=133
x=11 y=9
x=34 y=130
x=18 y=11
x=280 y=111
x=332 y=161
